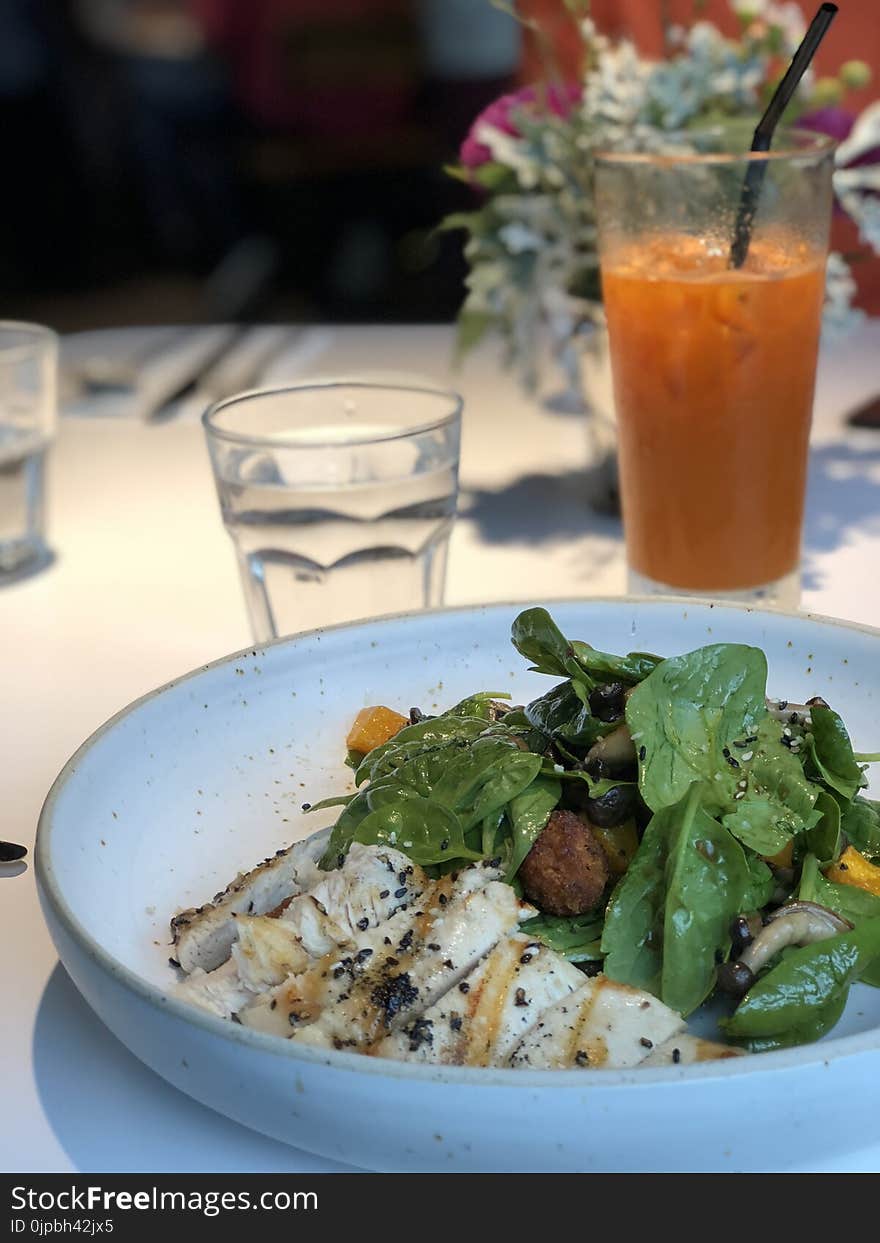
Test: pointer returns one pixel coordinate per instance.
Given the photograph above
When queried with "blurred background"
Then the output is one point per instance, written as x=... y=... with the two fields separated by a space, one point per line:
x=273 y=160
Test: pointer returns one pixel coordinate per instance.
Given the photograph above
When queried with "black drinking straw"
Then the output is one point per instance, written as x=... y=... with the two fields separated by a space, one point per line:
x=763 y=136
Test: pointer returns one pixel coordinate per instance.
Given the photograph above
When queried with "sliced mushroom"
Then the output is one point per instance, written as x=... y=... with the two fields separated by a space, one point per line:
x=796 y=923
x=614 y=750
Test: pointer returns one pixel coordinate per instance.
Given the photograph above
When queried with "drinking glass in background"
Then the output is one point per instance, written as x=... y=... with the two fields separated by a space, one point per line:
x=28 y=381
x=714 y=364
x=339 y=498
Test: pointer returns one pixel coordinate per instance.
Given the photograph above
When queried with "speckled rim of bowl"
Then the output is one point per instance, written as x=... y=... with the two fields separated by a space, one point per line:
x=781 y=1059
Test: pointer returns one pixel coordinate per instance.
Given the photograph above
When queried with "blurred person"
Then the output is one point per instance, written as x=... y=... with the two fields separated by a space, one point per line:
x=178 y=121
x=41 y=207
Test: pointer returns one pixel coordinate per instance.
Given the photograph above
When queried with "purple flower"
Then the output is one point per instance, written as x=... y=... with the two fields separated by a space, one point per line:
x=836 y=122
x=559 y=100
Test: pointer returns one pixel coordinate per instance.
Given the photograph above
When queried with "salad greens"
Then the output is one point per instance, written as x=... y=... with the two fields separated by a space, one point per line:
x=738 y=805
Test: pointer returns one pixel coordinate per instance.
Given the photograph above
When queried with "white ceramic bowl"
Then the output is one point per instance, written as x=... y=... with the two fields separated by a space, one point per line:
x=206 y=776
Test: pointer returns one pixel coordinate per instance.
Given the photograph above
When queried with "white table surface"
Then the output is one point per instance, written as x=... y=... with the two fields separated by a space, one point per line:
x=145 y=587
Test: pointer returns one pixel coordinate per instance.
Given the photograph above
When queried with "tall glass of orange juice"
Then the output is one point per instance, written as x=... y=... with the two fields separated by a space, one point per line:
x=714 y=361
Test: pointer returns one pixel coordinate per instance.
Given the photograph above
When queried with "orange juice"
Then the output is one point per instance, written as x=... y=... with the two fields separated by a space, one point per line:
x=714 y=372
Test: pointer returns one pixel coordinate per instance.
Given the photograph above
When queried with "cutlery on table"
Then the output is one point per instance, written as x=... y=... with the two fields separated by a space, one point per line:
x=109 y=371
x=244 y=366
x=165 y=388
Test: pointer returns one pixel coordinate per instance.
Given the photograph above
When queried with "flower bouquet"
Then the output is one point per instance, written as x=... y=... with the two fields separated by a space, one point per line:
x=531 y=246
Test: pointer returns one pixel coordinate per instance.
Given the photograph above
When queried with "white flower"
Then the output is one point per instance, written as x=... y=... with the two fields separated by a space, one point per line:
x=517 y=238
x=864 y=136
x=839 y=317
x=509 y=150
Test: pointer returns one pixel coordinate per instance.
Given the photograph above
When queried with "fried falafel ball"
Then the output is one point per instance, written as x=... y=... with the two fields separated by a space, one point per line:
x=566 y=871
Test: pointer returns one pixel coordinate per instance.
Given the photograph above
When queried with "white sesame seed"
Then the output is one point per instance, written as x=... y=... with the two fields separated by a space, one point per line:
x=746 y=756
x=740 y=794
x=786 y=733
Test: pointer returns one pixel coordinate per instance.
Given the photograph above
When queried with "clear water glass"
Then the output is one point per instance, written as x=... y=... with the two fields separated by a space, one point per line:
x=339 y=499
x=28 y=384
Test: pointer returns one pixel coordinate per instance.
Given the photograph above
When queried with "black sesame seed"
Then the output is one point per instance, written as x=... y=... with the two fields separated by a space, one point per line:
x=433 y=946
x=392 y=962
x=386 y=940
x=443 y=899
x=444 y=845
x=393 y=994
x=363 y=924
x=455 y=1023
x=582 y=1058
x=401 y=878
x=646 y=1043
x=406 y=940
x=400 y=893
x=524 y=958
x=464 y=987
x=520 y=997
x=676 y=1056
x=340 y=859
x=384 y=893
x=273 y=1003
x=643 y=751
x=307 y=807
x=731 y=761
x=363 y=955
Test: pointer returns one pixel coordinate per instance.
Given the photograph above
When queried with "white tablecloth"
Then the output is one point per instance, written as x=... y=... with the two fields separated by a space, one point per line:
x=145 y=586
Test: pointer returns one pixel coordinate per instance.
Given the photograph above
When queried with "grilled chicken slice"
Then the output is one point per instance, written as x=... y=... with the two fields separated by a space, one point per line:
x=506 y=993
x=603 y=1024
x=684 y=1050
x=220 y=991
x=203 y=936
x=392 y=973
x=373 y=883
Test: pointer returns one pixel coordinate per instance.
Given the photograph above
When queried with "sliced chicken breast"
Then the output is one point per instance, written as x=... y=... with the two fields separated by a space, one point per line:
x=481 y=1024
x=220 y=991
x=393 y=972
x=203 y=936
x=373 y=883
x=603 y=1024
x=684 y=1050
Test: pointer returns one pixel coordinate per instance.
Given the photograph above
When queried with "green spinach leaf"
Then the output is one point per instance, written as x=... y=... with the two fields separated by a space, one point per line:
x=412 y=739
x=832 y=754
x=670 y=914
x=686 y=716
x=528 y=814
x=806 y=981
x=562 y=714
x=536 y=636
x=426 y=831
x=860 y=821
x=820 y=1022
x=578 y=938
x=823 y=838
